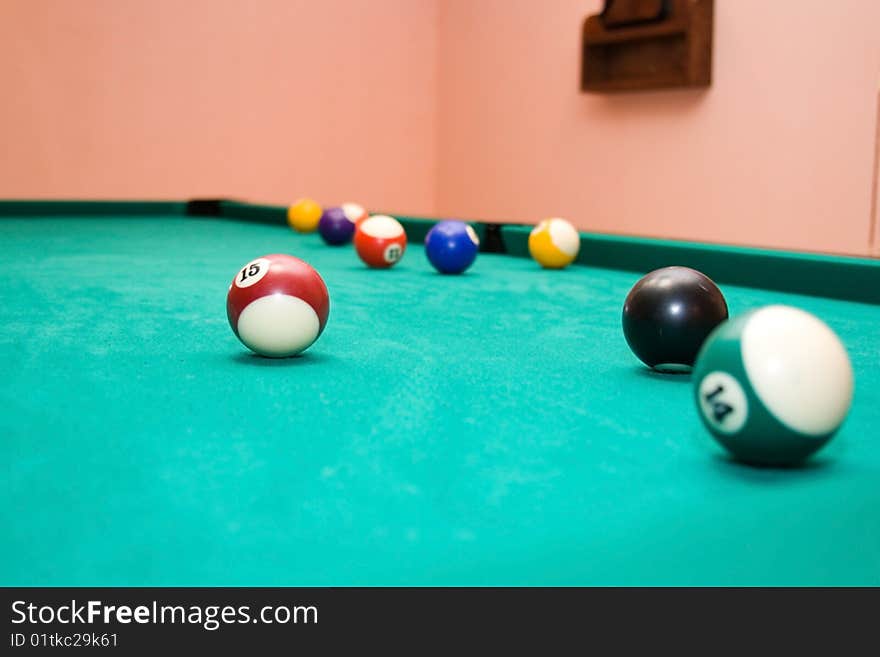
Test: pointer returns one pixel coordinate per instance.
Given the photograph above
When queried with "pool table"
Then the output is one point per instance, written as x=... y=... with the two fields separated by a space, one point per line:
x=485 y=429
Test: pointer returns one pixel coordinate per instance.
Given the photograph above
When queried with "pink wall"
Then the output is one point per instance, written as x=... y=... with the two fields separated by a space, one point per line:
x=777 y=152
x=264 y=99
x=455 y=107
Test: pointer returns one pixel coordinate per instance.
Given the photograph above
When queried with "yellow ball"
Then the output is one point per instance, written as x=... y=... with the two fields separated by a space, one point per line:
x=554 y=243
x=304 y=215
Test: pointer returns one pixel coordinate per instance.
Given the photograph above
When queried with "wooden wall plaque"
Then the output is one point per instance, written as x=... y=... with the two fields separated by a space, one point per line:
x=648 y=44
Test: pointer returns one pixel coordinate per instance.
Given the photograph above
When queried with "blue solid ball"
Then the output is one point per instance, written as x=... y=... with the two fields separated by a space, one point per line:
x=451 y=246
x=335 y=227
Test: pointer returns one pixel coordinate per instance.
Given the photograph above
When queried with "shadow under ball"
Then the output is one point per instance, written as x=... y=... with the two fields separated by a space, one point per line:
x=668 y=314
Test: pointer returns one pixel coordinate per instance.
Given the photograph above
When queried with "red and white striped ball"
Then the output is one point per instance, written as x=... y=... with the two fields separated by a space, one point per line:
x=380 y=241
x=277 y=305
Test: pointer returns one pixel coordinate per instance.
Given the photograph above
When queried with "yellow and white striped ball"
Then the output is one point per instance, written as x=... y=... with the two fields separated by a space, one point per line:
x=554 y=243
x=304 y=215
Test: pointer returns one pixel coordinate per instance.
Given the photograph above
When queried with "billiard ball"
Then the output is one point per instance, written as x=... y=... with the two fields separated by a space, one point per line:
x=335 y=227
x=451 y=246
x=277 y=305
x=380 y=241
x=304 y=215
x=773 y=385
x=354 y=211
x=668 y=314
x=554 y=243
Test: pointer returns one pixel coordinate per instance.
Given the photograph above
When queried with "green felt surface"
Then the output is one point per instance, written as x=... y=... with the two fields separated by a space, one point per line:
x=486 y=429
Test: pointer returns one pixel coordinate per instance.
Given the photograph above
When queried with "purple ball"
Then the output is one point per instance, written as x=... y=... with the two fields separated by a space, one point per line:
x=335 y=227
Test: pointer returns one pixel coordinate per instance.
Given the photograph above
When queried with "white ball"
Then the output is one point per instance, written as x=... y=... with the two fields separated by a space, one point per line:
x=278 y=325
x=799 y=368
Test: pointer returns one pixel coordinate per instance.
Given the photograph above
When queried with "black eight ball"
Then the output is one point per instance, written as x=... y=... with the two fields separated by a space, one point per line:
x=668 y=314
